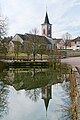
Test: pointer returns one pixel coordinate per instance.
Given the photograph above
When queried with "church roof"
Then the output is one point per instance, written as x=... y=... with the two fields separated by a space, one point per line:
x=46 y=21
x=39 y=38
x=22 y=36
x=46 y=101
x=29 y=37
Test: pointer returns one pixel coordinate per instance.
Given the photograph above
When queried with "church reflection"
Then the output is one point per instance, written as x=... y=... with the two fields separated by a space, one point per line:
x=33 y=81
x=46 y=95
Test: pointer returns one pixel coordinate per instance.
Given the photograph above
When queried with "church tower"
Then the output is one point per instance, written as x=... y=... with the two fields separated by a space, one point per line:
x=47 y=95
x=47 y=27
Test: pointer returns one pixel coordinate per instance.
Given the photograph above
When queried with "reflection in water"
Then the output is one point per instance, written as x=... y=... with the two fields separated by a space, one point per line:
x=46 y=95
x=33 y=94
x=3 y=99
x=40 y=87
x=66 y=108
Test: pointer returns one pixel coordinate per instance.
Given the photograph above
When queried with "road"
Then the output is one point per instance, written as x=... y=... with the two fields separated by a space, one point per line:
x=74 y=61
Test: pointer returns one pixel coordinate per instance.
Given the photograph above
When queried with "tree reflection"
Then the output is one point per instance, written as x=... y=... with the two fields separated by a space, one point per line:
x=66 y=107
x=66 y=112
x=3 y=99
x=33 y=94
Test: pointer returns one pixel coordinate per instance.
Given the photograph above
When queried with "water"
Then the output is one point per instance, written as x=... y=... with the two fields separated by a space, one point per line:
x=34 y=94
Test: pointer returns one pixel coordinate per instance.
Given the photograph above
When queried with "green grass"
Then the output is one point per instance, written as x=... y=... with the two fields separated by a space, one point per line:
x=2 y=54
x=12 y=54
x=20 y=54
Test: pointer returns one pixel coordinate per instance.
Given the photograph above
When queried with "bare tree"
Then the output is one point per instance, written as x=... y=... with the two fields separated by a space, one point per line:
x=34 y=42
x=33 y=94
x=42 y=49
x=3 y=26
x=34 y=31
x=17 y=45
x=28 y=48
x=3 y=32
x=66 y=37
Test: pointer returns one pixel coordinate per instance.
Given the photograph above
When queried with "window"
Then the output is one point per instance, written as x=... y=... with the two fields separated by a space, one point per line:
x=43 y=31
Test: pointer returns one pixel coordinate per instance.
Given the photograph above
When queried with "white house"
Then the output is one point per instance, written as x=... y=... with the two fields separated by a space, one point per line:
x=74 y=44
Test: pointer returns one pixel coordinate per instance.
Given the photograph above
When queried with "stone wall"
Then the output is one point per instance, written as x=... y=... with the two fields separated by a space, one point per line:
x=72 y=54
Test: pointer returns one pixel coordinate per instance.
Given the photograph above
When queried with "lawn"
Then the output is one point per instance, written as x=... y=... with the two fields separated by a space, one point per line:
x=12 y=54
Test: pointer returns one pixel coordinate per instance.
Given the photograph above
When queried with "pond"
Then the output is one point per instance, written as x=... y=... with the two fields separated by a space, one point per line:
x=34 y=94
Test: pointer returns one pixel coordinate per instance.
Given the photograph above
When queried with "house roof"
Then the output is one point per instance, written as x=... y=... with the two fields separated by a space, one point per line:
x=58 y=40
x=73 y=40
x=77 y=39
x=22 y=36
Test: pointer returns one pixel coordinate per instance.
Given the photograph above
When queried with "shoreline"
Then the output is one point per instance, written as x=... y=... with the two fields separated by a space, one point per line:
x=75 y=63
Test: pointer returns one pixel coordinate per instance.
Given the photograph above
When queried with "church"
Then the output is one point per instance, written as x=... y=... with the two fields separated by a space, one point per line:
x=45 y=37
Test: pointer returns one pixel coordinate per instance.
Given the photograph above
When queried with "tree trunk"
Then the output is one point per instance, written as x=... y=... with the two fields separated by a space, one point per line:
x=34 y=57
x=41 y=56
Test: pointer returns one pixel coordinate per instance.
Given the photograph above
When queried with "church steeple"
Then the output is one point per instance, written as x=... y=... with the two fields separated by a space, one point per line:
x=46 y=19
x=46 y=95
x=47 y=27
x=46 y=101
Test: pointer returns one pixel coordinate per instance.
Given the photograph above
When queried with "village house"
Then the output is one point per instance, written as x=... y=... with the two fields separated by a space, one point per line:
x=73 y=44
x=7 y=45
x=59 y=43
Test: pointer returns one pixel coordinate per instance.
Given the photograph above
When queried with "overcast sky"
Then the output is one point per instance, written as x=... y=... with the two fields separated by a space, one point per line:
x=24 y=15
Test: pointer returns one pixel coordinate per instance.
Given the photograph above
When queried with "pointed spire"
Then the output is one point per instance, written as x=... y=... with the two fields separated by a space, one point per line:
x=46 y=101
x=46 y=19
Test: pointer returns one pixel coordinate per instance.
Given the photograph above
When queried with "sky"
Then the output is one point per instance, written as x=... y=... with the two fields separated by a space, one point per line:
x=25 y=15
